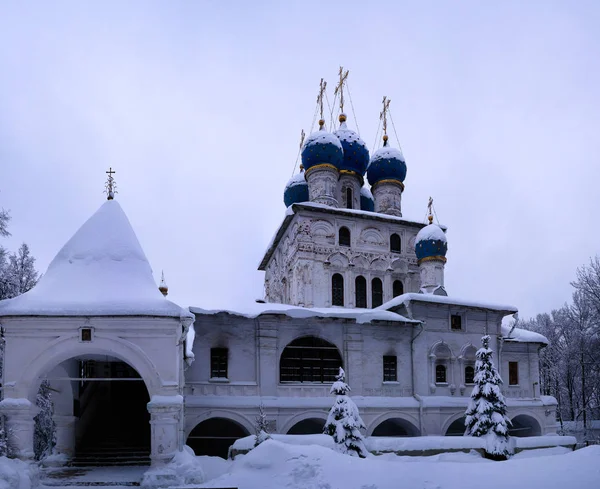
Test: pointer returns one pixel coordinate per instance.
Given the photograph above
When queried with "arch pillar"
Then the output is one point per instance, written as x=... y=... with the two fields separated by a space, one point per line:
x=19 y=415
x=65 y=435
x=166 y=427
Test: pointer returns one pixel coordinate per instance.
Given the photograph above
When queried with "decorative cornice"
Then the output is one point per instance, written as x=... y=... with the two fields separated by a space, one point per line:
x=321 y=166
x=432 y=258
x=389 y=180
x=352 y=173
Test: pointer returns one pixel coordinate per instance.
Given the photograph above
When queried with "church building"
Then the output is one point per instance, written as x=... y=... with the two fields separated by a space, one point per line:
x=349 y=282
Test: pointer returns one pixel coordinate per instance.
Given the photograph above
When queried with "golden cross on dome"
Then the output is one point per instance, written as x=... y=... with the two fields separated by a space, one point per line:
x=383 y=115
x=302 y=136
x=430 y=210
x=322 y=87
x=340 y=86
x=111 y=186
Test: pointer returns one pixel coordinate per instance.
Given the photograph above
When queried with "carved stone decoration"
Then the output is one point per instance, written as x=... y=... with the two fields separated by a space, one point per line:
x=322 y=185
x=388 y=198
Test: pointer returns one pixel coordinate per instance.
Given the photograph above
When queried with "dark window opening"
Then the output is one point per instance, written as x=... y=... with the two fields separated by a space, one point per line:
x=218 y=363
x=456 y=322
x=376 y=292
x=309 y=359
x=360 y=291
x=469 y=375
x=349 y=198
x=395 y=243
x=344 y=236
x=440 y=374
x=390 y=368
x=398 y=288
x=86 y=334
x=513 y=373
x=337 y=290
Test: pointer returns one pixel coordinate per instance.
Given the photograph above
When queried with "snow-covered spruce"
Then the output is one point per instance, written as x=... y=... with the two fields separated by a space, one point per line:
x=486 y=413
x=261 y=426
x=44 y=437
x=344 y=422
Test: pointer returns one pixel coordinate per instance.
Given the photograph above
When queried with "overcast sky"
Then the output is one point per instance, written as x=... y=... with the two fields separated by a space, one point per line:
x=199 y=106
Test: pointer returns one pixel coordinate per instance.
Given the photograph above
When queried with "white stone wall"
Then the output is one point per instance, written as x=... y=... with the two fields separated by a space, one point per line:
x=309 y=253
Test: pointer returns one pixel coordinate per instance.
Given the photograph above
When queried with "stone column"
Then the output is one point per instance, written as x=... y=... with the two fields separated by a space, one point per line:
x=322 y=184
x=353 y=181
x=19 y=425
x=65 y=435
x=388 y=197
x=166 y=414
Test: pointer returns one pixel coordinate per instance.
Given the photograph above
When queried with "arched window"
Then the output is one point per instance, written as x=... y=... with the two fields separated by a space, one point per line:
x=398 y=288
x=440 y=374
x=349 y=198
x=395 y=243
x=309 y=359
x=469 y=375
x=376 y=292
x=360 y=291
x=344 y=236
x=337 y=290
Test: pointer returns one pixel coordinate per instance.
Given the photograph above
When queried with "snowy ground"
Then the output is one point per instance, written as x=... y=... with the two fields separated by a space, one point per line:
x=276 y=465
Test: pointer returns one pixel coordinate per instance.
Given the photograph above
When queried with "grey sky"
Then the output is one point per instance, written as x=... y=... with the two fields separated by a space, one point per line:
x=199 y=106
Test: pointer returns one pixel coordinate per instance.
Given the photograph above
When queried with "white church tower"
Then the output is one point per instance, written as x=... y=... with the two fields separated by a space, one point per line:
x=341 y=243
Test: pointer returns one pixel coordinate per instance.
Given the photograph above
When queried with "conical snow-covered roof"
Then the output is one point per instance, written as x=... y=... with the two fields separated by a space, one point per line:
x=101 y=271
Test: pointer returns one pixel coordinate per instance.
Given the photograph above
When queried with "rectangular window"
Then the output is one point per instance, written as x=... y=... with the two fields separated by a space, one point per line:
x=513 y=373
x=390 y=368
x=455 y=322
x=218 y=363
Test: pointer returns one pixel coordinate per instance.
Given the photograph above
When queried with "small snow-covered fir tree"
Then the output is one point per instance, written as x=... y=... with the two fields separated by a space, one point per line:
x=44 y=437
x=344 y=422
x=486 y=413
x=261 y=426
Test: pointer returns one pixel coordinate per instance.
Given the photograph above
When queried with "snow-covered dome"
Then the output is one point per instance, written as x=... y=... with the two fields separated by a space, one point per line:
x=431 y=242
x=367 y=202
x=296 y=190
x=387 y=163
x=101 y=271
x=320 y=148
x=356 y=153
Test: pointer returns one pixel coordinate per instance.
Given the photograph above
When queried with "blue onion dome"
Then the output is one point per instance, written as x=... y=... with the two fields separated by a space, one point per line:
x=321 y=148
x=367 y=202
x=356 y=153
x=431 y=243
x=296 y=189
x=387 y=163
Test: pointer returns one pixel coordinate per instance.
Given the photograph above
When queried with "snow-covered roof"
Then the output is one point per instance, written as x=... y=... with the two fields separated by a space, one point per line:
x=522 y=335
x=101 y=271
x=315 y=207
x=405 y=299
x=253 y=310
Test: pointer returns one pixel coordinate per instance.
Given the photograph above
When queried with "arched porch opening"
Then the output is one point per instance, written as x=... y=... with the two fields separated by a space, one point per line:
x=106 y=420
x=309 y=426
x=214 y=436
x=523 y=425
x=456 y=428
x=396 y=427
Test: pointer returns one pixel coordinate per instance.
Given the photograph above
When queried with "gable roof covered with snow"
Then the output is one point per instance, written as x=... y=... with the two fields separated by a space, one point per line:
x=519 y=335
x=361 y=316
x=405 y=299
x=101 y=271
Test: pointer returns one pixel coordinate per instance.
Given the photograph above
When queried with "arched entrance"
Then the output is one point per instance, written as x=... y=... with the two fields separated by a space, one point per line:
x=214 y=436
x=309 y=426
x=457 y=428
x=396 y=427
x=523 y=425
x=109 y=408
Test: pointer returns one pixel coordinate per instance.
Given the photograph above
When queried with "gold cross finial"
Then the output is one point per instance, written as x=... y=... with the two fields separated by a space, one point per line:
x=302 y=136
x=430 y=210
x=110 y=188
x=340 y=86
x=383 y=116
x=322 y=87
